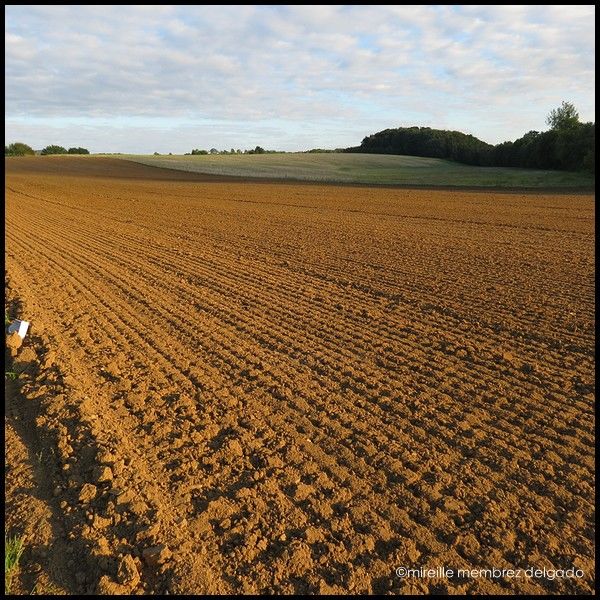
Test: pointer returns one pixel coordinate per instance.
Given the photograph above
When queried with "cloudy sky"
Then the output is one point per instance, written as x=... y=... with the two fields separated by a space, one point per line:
x=172 y=78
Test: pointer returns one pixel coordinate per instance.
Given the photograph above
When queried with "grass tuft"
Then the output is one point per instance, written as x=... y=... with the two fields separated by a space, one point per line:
x=13 y=549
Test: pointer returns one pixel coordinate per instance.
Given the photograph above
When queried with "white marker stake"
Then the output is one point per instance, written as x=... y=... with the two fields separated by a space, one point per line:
x=19 y=327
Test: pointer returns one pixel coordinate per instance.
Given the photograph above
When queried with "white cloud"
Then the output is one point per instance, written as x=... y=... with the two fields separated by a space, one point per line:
x=497 y=70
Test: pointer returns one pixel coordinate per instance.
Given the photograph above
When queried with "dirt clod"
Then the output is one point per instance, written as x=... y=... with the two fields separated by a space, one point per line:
x=13 y=343
x=107 y=587
x=87 y=493
x=127 y=573
x=156 y=555
x=103 y=474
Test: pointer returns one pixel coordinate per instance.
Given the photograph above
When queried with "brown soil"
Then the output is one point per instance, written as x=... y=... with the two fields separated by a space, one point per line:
x=261 y=388
x=13 y=343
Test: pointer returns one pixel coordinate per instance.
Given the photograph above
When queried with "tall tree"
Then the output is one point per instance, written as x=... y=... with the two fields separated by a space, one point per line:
x=563 y=117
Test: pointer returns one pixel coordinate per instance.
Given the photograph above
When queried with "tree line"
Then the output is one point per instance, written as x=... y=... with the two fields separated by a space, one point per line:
x=257 y=150
x=21 y=149
x=568 y=145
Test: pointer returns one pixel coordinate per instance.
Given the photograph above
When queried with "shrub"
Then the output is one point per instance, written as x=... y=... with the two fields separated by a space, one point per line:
x=54 y=149
x=18 y=149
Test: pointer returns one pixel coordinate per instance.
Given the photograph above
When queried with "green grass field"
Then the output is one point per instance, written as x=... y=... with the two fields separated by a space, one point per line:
x=368 y=169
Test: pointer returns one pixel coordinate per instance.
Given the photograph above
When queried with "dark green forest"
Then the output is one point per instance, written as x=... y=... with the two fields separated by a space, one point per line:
x=567 y=145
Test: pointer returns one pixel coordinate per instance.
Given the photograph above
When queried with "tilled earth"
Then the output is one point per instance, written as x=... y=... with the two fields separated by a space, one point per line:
x=271 y=388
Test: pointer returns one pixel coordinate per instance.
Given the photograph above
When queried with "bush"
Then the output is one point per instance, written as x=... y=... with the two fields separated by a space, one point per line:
x=54 y=149
x=18 y=149
x=78 y=151
x=257 y=150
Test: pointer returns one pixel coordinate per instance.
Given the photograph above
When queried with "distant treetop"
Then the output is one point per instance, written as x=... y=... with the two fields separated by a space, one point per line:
x=18 y=149
x=54 y=149
x=563 y=117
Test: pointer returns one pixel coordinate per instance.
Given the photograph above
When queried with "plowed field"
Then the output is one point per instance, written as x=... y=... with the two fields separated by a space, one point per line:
x=273 y=388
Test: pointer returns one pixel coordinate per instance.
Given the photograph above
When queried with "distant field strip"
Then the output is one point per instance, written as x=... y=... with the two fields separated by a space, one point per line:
x=365 y=168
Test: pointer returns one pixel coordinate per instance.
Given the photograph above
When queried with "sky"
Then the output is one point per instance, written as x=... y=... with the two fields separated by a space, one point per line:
x=144 y=79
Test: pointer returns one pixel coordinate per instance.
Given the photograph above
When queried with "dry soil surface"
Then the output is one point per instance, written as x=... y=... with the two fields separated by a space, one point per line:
x=273 y=388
